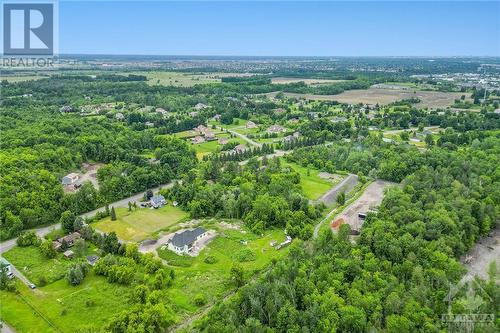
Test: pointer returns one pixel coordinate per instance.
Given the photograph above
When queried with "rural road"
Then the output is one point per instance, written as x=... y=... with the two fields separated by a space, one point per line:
x=41 y=232
x=346 y=185
x=244 y=137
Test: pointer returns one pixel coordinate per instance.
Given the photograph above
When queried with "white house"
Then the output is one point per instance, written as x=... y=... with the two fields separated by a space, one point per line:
x=183 y=242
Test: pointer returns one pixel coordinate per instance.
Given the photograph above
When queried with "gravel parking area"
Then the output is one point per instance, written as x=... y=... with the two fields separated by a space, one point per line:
x=371 y=198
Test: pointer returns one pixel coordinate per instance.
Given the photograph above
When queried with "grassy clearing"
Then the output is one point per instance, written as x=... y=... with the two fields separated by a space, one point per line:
x=141 y=223
x=208 y=147
x=313 y=185
x=91 y=303
x=34 y=265
x=194 y=276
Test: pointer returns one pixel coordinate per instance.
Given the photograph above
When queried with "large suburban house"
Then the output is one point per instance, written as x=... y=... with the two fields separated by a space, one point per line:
x=276 y=129
x=183 y=242
x=210 y=136
x=197 y=139
x=70 y=179
x=68 y=239
x=158 y=201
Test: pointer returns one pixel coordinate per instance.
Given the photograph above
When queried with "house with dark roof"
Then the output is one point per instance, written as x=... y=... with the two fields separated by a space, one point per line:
x=158 y=201
x=183 y=242
x=92 y=260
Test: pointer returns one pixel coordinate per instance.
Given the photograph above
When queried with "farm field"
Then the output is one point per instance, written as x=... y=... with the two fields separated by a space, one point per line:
x=372 y=96
x=313 y=185
x=194 y=276
x=142 y=223
x=176 y=78
x=286 y=80
x=64 y=307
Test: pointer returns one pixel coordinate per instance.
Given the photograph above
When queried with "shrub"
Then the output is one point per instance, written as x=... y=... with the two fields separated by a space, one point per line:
x=42 y=281
x=245 y=255
x=28 y=238
x=76 y=273
x=200 y=300
x=210 y=260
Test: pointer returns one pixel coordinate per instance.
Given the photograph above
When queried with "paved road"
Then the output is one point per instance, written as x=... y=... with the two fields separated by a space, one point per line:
x=346 y=185
x=246 y=138
x=42 y=231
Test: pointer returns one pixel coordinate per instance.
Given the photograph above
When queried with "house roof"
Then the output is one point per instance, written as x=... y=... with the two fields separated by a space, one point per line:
x=186 y=237
x=92 y=259
x=156 y=199
x=70 y=238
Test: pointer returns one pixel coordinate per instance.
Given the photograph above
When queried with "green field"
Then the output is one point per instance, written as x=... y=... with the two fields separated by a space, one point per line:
x=176 y=78
x=313 y=185
x=208 y=147
x=141 y=223
x=67 y=308
x=194 y=276
x=34 y=265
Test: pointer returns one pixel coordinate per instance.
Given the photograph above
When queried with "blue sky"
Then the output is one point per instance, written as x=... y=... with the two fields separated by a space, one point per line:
x=280 y=28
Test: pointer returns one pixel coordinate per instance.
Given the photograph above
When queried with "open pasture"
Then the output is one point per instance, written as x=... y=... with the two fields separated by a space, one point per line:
x=142 y=223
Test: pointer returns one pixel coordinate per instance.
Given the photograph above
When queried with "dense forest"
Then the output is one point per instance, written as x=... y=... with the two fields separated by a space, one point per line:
x=396 y=277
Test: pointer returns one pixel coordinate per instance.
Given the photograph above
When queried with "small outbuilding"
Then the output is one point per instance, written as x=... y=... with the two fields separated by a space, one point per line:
x=68 y=254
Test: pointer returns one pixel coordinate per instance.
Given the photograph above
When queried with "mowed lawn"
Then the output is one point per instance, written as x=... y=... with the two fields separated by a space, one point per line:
x=60 y=307
x=141 y=223
x=194 y=276
x=208 y=147
x=313 y=185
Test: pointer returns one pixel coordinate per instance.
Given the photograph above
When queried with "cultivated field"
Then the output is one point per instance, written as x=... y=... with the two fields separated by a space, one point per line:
x=286 y=80
x=175 y=78
x=142 y=223
x=372 y=96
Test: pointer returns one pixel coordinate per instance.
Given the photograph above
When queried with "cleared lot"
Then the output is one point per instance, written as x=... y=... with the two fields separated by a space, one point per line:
x=370 y=198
